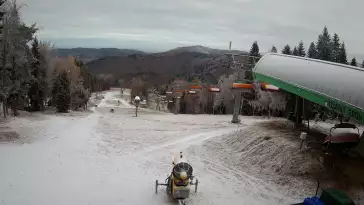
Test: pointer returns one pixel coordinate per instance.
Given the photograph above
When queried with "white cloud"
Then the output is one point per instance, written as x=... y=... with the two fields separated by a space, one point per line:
x=164 y=24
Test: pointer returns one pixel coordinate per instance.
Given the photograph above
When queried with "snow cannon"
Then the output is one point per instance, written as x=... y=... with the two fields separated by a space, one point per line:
x=180 y=180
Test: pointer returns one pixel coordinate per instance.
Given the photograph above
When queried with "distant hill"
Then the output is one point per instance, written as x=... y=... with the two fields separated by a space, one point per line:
x=204 y=50
x=188 y=62
x=89 y=54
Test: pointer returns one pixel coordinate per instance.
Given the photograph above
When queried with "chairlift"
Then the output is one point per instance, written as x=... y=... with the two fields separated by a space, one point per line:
x=344 y=139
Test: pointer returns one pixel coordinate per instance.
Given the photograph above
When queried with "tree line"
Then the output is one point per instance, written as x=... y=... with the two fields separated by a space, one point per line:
x=32 y=78
x=327 y=47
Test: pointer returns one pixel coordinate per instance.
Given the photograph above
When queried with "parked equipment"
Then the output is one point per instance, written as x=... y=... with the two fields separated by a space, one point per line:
x=178 y=183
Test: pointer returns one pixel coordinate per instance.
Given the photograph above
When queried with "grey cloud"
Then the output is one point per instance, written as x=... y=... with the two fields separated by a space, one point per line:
x=169 y=23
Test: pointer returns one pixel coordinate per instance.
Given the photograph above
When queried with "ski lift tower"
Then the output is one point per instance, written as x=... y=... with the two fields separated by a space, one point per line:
x=246 y=63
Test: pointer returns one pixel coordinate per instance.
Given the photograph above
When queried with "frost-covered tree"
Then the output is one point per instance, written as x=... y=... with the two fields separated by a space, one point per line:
x=266 y=102
x=225 y=98
x=324 y=46
x=79 y=92
x=353 y=62
x=312 y=52
x=3 y=14
x=287 y=50
x=47 y=61
x=139 y=87
x=79 y=95
x=301 y=49
x=122 y=85
x=88 y=79
x=27 y=67
x=37 y=91
x=15 y=56
x=63 y=92
x=273 y=49
x=295 y=51
x=336 y=48
x=2 y=10
x=206 y=99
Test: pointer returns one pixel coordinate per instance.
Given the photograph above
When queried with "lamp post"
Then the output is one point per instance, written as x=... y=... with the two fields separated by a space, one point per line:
x=136 y=101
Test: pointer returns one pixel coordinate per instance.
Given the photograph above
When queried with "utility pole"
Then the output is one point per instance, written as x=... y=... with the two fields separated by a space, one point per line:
x=238 y=103
x=136 y=101
x=237 y=95
x=177 y=96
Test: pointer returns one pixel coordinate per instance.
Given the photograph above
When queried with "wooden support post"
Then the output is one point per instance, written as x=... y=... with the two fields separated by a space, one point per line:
x=305 y=114
x=298 y=111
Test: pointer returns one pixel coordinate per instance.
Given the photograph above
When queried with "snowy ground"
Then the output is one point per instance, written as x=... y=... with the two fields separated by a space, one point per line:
x=115 y=158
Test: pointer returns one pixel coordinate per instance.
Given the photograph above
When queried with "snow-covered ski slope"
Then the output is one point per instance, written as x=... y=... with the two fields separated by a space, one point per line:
x=115 y=158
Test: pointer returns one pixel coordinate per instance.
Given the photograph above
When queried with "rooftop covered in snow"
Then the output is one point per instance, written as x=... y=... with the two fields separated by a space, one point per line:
x=336 y=86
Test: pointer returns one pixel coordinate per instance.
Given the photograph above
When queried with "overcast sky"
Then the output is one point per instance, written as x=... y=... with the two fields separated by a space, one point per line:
x=157 y=25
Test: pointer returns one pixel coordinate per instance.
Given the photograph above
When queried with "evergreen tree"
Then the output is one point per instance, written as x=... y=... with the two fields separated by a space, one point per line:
x=254 y=50
x=2 y=12
x=38 y=83
x=342 y=54
x=287 y=50
x=312 y=52
x=15 y=58
x=63 y=93
x=324 y=46
x=353 y=62
x=273 y=49
x=2 y=19
x=362 y=64
x=295 y=51
x=18 y=87
x=335 y=48
x=301 y=49
x=4 y=75
x=55 y=86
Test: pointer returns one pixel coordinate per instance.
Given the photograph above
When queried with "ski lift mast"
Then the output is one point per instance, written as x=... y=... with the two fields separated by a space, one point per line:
x=238 y=66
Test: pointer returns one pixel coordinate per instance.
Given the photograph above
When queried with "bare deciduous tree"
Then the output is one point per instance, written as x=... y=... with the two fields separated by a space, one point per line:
x=48 y=61
x=179 y=84
x=79 y=94
x=122 y=85
x=266 y=101
x=138 y=88
x=206 y=99
x=226 y=96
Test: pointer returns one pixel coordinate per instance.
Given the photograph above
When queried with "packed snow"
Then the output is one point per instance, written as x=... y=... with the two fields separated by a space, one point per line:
x=109 y=158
